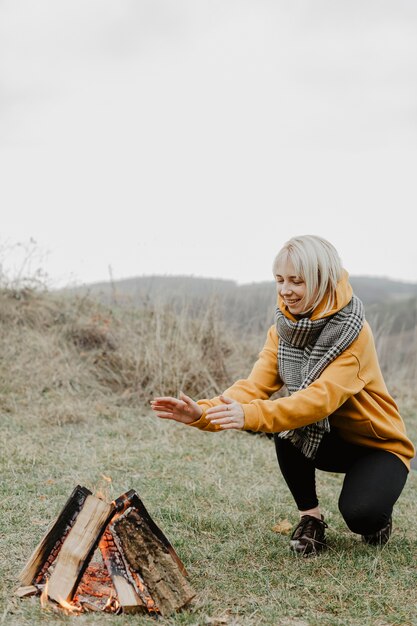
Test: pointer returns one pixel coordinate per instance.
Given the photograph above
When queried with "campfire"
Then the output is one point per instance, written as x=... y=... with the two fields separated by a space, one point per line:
x=111 y=557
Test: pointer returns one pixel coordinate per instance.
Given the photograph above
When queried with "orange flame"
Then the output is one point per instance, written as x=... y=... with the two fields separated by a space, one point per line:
x=112 y=605
x=44 y=599
x=44 y=596
x=67 y=606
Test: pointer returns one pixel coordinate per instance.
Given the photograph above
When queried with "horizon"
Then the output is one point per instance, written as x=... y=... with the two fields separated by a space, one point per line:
x=237 y=282
x=28 y=261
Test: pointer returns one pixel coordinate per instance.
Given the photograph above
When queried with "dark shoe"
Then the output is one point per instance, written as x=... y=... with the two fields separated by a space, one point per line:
x=381 y=537
x=308 y=536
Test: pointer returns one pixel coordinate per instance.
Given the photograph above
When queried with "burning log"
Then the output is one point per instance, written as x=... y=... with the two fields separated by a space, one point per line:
x=139 y=572
x=152 y=560
x=46 y=552
x=127 y=596
x=78 y=548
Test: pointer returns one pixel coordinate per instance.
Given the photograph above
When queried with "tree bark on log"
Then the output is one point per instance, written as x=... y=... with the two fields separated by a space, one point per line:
x=147 y=555
x=127 y=597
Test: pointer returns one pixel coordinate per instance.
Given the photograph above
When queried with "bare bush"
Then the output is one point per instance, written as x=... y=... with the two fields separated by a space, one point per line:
x=57 y=347
x=396 y=345
x=161 y=352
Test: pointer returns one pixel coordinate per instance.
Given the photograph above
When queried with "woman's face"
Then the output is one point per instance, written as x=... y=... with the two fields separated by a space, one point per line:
x=291 y=287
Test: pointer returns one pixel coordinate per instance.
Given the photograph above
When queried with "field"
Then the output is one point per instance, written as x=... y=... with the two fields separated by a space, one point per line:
x=76 y=379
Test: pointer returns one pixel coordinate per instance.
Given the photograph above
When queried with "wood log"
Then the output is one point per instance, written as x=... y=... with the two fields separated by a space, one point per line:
x=137 y=503
x=47 y=550
x=146 y=572
x=149 y=556
x=128 y=598
x=28 y=590
x=78 y=548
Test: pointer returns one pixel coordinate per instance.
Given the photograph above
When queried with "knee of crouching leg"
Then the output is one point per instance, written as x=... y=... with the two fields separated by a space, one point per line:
x=361 y=519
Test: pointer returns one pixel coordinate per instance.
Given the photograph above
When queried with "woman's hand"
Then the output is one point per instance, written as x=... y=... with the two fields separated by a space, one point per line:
x=227 y=415
x=183 y=409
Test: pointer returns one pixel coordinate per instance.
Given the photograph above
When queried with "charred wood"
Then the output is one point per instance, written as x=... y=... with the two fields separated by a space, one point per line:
x=47 y=550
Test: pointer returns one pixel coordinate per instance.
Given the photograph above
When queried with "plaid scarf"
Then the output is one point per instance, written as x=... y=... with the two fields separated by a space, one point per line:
x=306 y=347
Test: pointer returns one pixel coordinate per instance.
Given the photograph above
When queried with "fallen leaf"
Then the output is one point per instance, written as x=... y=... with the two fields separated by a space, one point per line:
x=283 y=527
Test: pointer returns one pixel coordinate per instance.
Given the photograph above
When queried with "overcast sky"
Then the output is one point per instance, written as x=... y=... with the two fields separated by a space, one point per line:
x=197 y=136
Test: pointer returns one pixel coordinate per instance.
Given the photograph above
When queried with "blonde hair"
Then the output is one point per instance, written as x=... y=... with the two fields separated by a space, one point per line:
x=317 y=262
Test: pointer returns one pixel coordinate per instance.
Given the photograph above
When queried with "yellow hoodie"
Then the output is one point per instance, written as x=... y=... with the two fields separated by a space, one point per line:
x=351 y=391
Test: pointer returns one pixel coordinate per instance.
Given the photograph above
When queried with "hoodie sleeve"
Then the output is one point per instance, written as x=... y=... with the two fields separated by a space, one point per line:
x=261 y=383
x=339 y=381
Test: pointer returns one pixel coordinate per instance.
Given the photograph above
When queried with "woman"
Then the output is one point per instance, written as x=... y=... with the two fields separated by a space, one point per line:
x=339 y=416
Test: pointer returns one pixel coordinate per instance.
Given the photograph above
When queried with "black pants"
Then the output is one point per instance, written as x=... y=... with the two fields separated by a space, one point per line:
x=373 y=482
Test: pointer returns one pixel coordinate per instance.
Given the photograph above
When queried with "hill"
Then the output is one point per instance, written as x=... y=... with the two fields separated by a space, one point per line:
x=249 y=307
x=137 y=289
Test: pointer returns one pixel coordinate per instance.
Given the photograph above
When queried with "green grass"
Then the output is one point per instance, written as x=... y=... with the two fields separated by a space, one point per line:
x=216 y=497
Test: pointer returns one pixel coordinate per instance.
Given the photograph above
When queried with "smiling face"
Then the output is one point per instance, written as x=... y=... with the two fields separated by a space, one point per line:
x=307 y=270
x=291 y=287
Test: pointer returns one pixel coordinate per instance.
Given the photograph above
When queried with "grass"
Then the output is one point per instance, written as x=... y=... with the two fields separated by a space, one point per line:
x=216 y=496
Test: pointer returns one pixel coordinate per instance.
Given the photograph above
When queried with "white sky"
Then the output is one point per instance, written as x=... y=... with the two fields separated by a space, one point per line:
x=197 y=136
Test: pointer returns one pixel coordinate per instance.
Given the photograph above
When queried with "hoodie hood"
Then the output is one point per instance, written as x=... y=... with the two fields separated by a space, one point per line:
x=344 y=293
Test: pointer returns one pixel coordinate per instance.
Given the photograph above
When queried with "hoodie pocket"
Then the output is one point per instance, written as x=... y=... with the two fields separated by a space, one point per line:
x=366 y=429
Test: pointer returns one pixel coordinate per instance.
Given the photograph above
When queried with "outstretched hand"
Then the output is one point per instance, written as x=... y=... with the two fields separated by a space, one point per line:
x=182 y=409
x=228 y=415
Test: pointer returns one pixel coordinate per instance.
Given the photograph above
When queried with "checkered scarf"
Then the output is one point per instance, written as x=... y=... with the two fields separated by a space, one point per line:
x=306 y=347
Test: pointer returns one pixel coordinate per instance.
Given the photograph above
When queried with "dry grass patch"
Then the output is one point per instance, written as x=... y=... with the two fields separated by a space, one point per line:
x=77 y=345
